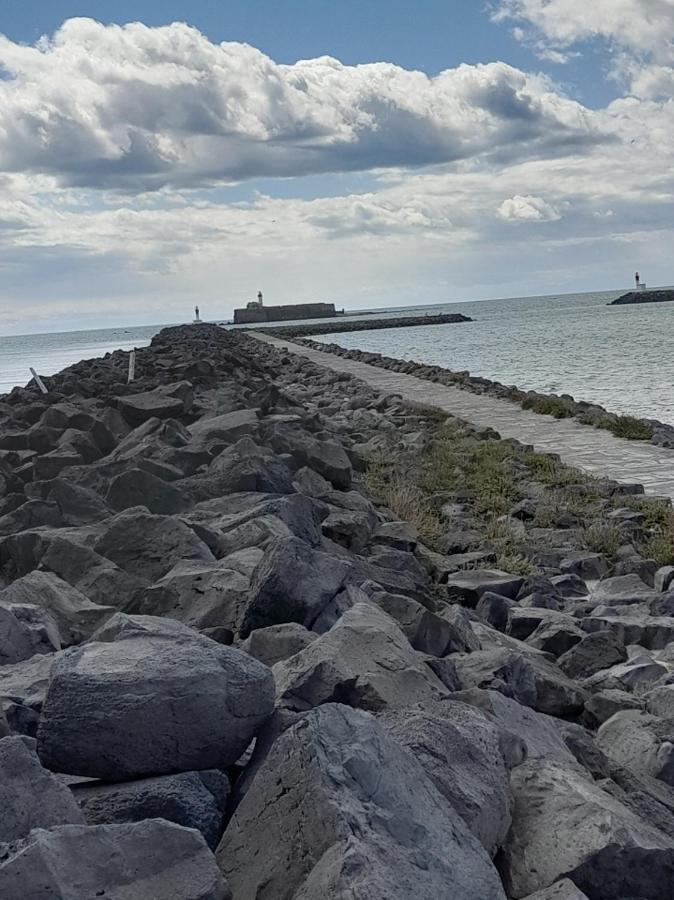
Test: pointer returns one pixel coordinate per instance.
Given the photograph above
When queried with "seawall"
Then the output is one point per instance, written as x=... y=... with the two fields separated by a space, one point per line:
x=660 y=296
x=292 y=331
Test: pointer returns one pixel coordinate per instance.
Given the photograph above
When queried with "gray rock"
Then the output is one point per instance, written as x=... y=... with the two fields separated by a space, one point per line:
x=30 y=796
x=663 y=578
x=637 y=674
x=21 y=639
x=652 y=632
x=622 y=590
x=293 y=583
x=468 y=587
x=216 y=432
x=277 y=642
x=398 y=535
x=356 y=816
x=562 y=820
x=138 y=487
x=66 y=610
x=244 y=466
x=569 y=585
x=364 y=660
x=556 y=638
x=495 y=610
x=329 y=459
x=628 y=873
x=532 y=681
x=594 y=652
x=641 y=742
x=148 y=546
x=151 y=704
x=135 y=861
x=425 y=631
x=604 y=704
x=660 y=701
x=588 y=566
x=192 y=799
x=525 y=620
x=139 y=408
x=463 y=636
x=308 y=482
x=77 y=504
x=459 y=748
x=560 y=890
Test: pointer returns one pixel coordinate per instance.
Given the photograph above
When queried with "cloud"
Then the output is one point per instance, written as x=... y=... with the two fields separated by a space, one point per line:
x=137 y=108
x=528 y=209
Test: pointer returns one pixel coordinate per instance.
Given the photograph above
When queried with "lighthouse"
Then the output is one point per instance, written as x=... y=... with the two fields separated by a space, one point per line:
x=196 y=320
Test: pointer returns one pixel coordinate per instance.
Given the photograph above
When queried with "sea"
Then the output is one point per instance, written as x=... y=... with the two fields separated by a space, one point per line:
x=619 y=356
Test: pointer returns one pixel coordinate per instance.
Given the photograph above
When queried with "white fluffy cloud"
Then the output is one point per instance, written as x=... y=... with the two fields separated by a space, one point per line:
x=136 y=108
x=528 y=209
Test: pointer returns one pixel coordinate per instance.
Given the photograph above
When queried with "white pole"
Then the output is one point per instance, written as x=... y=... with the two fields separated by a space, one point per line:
x=132 y=366
x=40 y=382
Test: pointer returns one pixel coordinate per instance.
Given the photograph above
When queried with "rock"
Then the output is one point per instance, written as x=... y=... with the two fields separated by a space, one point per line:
x=134 y=861
x=151 y=704
x=137 y=487
x=356 y=816
x=329 y=459
x=23 y=687
x=651 y=632
x=426 y=632
x=530 y=735
x=588 y=566
x=569 y=586
x=525 y=620
x=364 y=660
x=459 y=748
x=495 y=610
x=76 y=504
x=398 y=535
x=594 y=652
x=192 y=799
x=622 y=590
x=604 y=704
x=468 y=587
x=556 y=637
x=640 y=741
x=159 y=404
x=635 y=674
x=244 y=467
x=148 y=546
x=663 y=578
x=532 y=681
x=660 y=701
x=561 y=821
x=20 y=639
x=277 y=642
x=69 y=612
x=463 y=637
x=560 y=890
x=217 y=432
x=308 y=482
x=293 y=583
x=30 y=796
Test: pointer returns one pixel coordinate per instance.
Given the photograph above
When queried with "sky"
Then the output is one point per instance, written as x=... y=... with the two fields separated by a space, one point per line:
x=154 y=155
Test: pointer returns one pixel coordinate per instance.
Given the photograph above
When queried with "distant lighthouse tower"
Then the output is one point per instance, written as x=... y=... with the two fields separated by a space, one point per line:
x=197 y=320
x=640 y=285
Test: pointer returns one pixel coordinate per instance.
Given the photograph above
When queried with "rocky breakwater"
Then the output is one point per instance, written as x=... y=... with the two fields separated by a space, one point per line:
x=336 y=326
x=226 y=672
x=659 y=296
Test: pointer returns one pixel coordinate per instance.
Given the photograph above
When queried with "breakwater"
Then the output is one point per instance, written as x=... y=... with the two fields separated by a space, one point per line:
x=659 y=296
x=294 y=331
x=415 y=622
x=558 y=406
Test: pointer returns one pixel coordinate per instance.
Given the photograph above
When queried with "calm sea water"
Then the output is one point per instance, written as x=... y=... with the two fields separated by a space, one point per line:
x=619 y=356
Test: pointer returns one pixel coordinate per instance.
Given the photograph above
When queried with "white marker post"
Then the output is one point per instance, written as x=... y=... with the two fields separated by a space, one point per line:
x=40 y=382
x=132 y=366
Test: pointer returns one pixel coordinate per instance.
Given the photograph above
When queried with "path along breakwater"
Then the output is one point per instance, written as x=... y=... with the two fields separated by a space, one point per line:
x=445 y=649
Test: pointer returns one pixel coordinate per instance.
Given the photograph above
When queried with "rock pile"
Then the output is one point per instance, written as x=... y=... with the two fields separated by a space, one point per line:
x=226 y=673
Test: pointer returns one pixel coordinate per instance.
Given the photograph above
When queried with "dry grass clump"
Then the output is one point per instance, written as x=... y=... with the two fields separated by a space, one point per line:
x=600 y=537
x=628 y=427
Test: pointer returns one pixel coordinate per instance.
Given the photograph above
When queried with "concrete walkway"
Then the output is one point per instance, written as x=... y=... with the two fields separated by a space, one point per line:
x=592 y=450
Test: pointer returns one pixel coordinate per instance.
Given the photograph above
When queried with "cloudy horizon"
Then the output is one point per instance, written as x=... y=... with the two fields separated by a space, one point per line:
x=146 y=167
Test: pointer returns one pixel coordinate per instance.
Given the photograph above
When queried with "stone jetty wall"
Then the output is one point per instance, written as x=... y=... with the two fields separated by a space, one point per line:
x=559 y=406
x=661 y=296
x=267 y=633
x=337 y=327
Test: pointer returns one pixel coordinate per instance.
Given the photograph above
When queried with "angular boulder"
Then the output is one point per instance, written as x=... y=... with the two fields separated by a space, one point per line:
x=152 y=704
x=30 y=796
x=135 y=861
x=350 y=813
x=640 y=741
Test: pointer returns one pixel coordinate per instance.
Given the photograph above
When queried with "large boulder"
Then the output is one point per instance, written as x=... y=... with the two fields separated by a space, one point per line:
x=65 y=609
x=365 y=660
x=468 y=587
x=459 y=748
x=162 y=403
x=152 y=704
x=560 y=890
x=21 y=638
x=148 y=546
x=138 y=487
x=30 y=796
x=277 y=642
x=349 y=813
x=596 y=651
x=562 y=820
x=192 y=799
x=138 y=861
x=641 y=742
x=293 y=583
